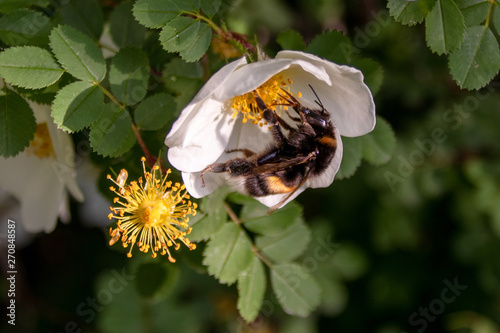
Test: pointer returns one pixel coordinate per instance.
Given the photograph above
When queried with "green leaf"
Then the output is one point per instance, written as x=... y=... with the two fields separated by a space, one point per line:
x=124 y=28
x=129 y=75
x=444 y=27
x=29 y=67
x=154 y=112
x=154 y=280
x=410 y=12
x=351 y=158
x=474 y=11
x=287 y=245
x=23 y=27
x=297 y=291
x=379 y=144
x=85 y=16
x=372 y=71
x=7 y=6
x=190 y=37
x=77 y=105
x=251 y=288
x=228 y=253
x=332 y=45
x=496 y=18
x=112 y=134
x=477 y=61
x=179 y=67
x=156 y=13
x=17 y=124
x=78 y=54
x=210 y=7
x=255 y=218
x=291 y=40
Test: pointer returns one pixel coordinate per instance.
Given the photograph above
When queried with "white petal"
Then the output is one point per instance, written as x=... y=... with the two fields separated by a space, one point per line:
x=326 y=178
x=205 y=139
x=213 y=181
x=175 y=136
x=347 y=97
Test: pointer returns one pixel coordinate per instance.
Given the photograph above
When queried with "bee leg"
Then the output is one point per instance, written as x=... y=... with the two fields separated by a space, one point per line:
x=271 y=117
x=246 y=152
x=236 y=167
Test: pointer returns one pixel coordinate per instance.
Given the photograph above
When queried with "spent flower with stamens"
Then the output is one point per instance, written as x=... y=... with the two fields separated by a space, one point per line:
x=152 y=213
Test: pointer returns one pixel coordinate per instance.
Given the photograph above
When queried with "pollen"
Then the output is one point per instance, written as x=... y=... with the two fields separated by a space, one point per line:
x=152 y=214
x=271 y=93
x=41 y=145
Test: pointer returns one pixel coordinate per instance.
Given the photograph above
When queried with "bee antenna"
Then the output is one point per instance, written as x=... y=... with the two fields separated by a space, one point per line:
x=317 y=101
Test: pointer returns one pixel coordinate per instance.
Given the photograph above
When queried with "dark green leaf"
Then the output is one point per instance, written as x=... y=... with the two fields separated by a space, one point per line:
x=477 y=61
x=7 y=6
x=297 y=291
x=17 y=124
x=156 y=13
x=78 y=54
x=155 y=279
x=77 y=105
x=332 y=45
x=23 y=27
x=228 y=253
x=291 y=40
x=379 y=144
x=372 y=71
x=351 y=158
x=85 y=16
x=129 y=75
x=124 y=28
x=112 y=134
x=253 y=215
x=474 y=11
x=154 y=112
x=179 y=67
x=251 y=288
x=496 y=18
x=210 y=7
x=410 y=12
x=444 y=27
x=287 y=245
x=200 y=46
x=29 y=67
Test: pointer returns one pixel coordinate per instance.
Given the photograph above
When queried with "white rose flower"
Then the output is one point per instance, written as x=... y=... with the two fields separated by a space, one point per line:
x=220 y=117
x=41 y=175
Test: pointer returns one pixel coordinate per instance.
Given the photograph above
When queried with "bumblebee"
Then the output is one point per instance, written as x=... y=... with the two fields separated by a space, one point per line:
x=284 y=167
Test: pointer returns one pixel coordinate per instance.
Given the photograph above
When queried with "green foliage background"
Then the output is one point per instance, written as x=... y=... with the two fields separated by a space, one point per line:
x=415 y=210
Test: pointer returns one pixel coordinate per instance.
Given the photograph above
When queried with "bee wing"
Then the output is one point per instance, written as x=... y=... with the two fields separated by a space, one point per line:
x=278 y=166
x=286 y=197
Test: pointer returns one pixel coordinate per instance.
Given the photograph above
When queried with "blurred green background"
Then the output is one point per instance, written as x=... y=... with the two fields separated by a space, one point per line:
x=414 y=244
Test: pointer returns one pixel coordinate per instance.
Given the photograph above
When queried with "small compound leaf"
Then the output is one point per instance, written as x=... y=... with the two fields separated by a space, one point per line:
x=297 y=291
x=200 y=46
x=332 y=45
x=228 y=253
x=129 y=75
x=291 y=40
x=77 y=105
x=154 y=112
x=23 y=27
x=478 y=59
x=156 y=13
x=379 y=144
x=124 y=28
x=78 y=54
x=85 y=16
x=287 y=245
x=17 y=124
x=410 y=12
x=29 y=67
x=251 y=288
x=444 y=27
x=112 y=134
x=255 y=219
x=351 y=158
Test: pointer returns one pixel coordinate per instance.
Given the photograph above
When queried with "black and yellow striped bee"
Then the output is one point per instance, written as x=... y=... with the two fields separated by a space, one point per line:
x=304 y=153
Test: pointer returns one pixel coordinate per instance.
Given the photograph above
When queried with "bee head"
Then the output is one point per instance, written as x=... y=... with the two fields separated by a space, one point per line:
x=317 y=118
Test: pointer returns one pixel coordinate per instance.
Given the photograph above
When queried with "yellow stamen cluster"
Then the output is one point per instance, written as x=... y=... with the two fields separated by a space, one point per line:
x=271 y=93
x=41 y=145
x=153 y=211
